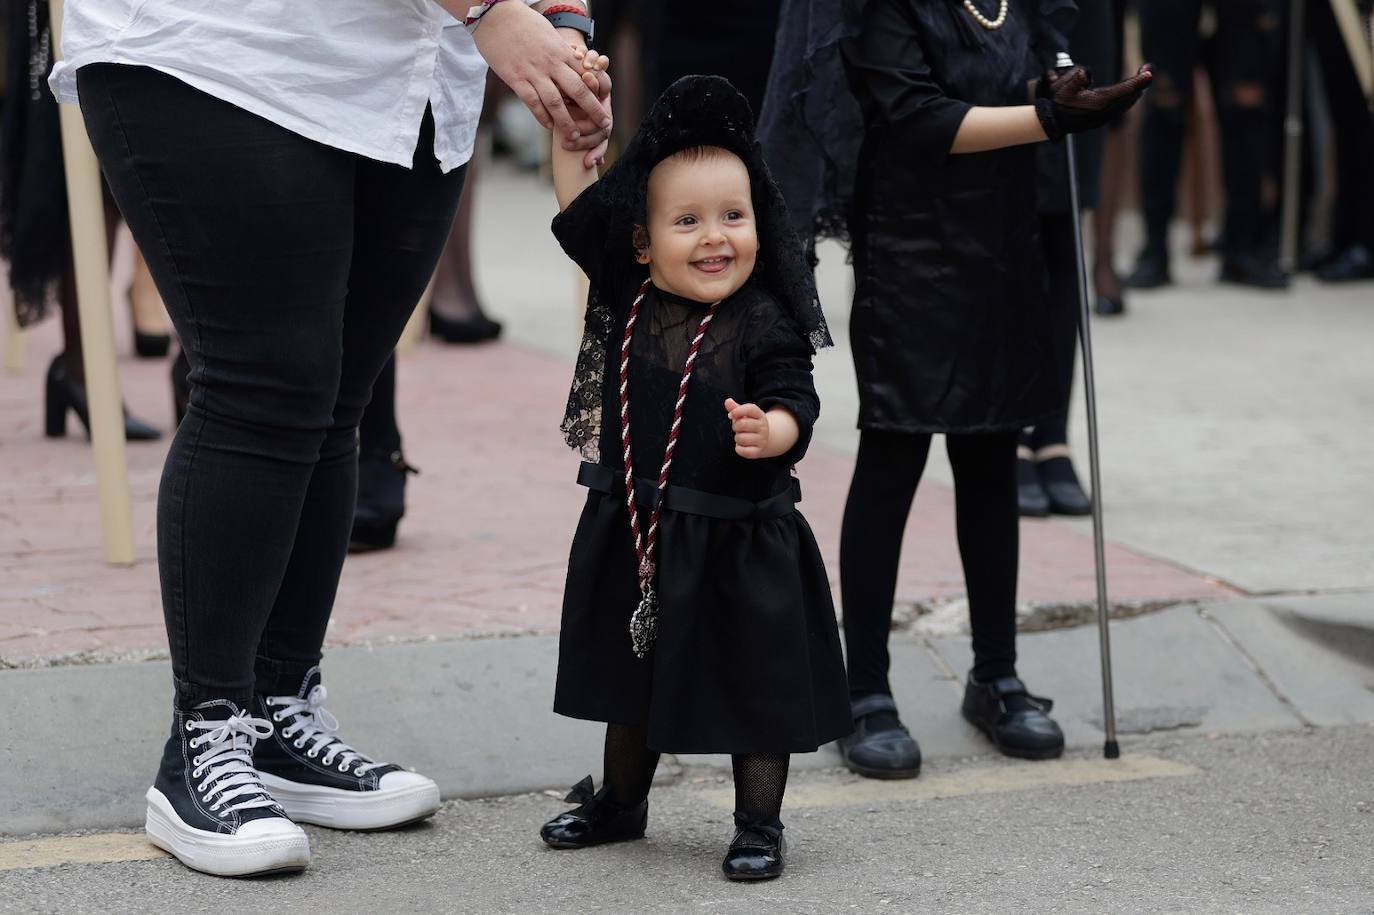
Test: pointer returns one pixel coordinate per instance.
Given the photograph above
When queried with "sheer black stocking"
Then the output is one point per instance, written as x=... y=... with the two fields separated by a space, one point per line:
x=760 y=780
x=630 y=764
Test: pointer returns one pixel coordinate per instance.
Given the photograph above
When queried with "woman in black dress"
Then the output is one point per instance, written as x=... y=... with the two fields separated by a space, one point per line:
x=949 y=328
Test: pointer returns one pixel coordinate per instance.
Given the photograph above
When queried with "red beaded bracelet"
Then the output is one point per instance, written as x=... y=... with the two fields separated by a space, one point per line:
x=565 y=8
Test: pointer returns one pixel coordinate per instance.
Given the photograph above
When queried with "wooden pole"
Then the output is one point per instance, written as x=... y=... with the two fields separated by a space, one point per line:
x=14 y=342
x=419 y=321
x=87 y=210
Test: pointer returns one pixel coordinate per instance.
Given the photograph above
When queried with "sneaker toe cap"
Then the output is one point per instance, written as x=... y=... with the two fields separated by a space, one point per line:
x=405 y=781
x=274 y=827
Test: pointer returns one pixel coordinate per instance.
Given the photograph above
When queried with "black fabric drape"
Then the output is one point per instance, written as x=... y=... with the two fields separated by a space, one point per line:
x=33 y=192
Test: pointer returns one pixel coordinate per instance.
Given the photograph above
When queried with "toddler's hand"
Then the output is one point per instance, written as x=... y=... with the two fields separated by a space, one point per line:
x=750 y=425
x=586 y=135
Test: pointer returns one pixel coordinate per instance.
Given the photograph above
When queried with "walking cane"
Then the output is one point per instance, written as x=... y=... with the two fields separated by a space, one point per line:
x=1110 y=749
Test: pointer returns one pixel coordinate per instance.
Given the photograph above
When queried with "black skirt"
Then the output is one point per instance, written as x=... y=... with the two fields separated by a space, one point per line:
x=747 y=658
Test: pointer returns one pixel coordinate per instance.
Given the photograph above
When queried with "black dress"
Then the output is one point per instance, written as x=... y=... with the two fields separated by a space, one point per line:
x=949 y=328
x=747 y=658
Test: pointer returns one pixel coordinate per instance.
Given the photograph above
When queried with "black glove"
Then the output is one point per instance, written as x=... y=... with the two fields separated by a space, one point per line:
x=1073 y=106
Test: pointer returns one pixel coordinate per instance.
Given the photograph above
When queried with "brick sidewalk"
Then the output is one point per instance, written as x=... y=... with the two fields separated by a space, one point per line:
x=483 y=549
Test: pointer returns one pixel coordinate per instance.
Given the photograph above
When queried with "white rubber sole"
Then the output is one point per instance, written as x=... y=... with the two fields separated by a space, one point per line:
x=339 y=808
x=277 y=846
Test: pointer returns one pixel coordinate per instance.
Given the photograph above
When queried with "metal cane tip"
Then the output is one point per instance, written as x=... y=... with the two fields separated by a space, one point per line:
x=1111 y=750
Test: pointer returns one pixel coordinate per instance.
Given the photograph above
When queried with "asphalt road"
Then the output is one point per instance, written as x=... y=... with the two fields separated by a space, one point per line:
x=1280 y=822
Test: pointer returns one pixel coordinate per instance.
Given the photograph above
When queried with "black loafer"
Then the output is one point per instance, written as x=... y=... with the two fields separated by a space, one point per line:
x=1017 y=722
x=1062 y=489
x=597 y=821
x=1031 y=499
x=1252 y=270
x=877 y=748
x=755 y=854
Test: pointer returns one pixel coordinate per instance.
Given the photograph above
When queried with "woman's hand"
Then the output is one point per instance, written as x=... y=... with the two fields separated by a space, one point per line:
x=1077 y=106
x=541 y=69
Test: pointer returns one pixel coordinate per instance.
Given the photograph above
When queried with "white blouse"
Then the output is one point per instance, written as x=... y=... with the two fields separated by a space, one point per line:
x=352 y=74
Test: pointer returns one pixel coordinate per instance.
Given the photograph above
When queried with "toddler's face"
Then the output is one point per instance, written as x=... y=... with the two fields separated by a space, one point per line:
x=702 y=237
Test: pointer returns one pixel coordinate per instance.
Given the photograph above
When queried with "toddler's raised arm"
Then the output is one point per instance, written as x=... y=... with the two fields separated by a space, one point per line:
x=571 y=174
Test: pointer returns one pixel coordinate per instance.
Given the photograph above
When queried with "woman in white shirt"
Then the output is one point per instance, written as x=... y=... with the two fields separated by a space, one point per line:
x=290 y=171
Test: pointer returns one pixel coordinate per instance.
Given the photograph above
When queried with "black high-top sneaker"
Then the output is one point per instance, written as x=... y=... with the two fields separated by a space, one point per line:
x=322 y=780
x=209 y=808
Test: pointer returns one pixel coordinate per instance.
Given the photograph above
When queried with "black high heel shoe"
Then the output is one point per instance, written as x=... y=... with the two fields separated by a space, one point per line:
x=63 y=392
x=476 y=329
x=381 y=500
x=596 y=821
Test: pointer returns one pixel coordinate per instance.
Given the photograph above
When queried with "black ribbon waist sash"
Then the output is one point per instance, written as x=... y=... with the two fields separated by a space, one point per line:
x=691 y=501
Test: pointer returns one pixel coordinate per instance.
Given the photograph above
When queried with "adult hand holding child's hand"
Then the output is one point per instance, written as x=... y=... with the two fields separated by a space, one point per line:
x=540 y=67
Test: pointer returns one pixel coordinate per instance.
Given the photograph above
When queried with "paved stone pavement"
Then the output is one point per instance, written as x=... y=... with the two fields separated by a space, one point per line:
x=484 y=546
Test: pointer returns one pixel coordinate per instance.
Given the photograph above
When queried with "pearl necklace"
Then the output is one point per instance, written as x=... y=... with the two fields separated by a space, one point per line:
x=989 y=24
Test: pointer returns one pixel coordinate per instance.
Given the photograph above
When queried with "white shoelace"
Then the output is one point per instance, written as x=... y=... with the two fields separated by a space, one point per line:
x=312 y=725
x=227 y=763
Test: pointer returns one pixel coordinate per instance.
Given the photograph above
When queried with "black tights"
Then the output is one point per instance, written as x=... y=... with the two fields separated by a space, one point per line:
x=760 y=778
x=885 y=476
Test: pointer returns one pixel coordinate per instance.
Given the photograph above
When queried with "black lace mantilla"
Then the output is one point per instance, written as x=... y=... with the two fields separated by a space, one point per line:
x=597 y=231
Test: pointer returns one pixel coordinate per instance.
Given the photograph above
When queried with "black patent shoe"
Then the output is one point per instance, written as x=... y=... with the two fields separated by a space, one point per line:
x=880 y=746
x=63 y=393
x=381 y=501
x=1151 y=271
x=756 y=852
x=596 y=821
x=1031 y=499
x=1016 y=722
x=1061 y=487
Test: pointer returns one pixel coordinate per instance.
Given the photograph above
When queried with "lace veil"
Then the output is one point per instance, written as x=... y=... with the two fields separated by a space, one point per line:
x=694 y=111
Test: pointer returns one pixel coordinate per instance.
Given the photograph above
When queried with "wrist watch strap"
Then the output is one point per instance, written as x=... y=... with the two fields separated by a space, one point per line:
x=573 y=21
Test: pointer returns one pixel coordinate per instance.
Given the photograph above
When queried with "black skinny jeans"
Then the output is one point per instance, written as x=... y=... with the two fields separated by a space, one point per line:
x=1244 y=66
x=888 y=468
x=289 y=269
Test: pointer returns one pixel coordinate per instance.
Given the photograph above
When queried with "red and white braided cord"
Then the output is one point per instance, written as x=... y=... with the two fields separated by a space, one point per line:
x=644 y=544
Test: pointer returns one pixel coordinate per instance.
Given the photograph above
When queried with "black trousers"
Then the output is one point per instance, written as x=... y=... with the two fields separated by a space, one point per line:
x=289 y=269
x=886 y=472
x=1245 y=55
